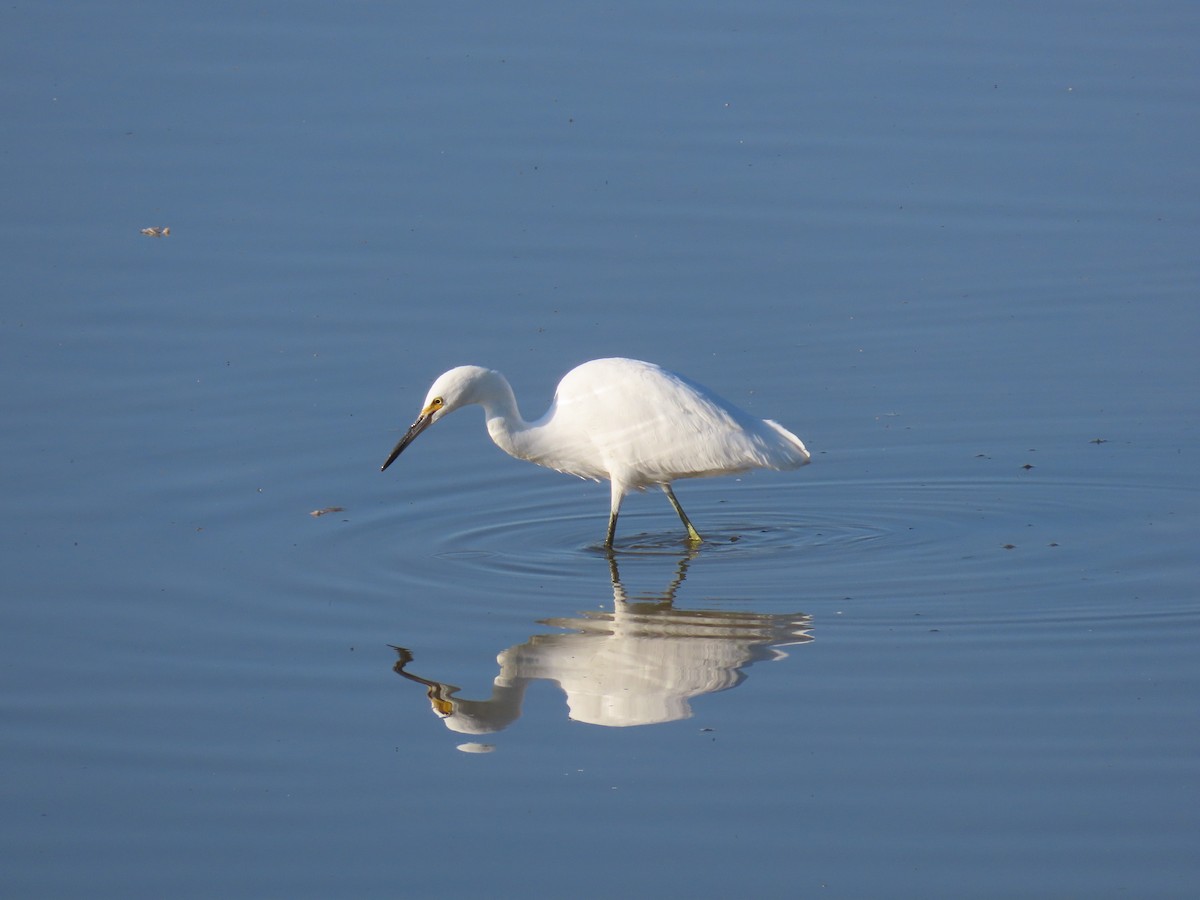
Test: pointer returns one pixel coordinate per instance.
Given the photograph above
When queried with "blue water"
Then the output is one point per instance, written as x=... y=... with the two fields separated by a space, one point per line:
x=953 y=248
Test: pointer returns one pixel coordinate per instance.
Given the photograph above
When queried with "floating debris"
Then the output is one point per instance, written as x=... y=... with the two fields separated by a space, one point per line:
x=1098 y=441
x=327 y=510
x=157 y=231
x=1027 y=466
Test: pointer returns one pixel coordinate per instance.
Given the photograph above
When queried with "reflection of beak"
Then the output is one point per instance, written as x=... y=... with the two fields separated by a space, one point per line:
x=417 y=427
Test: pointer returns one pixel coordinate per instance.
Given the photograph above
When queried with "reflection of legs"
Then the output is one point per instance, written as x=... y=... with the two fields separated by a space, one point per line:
x=693 y=535
x=618 y=588
x=667 y=598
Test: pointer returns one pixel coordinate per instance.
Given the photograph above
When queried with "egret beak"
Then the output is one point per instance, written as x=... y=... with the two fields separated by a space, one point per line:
x=423 y=422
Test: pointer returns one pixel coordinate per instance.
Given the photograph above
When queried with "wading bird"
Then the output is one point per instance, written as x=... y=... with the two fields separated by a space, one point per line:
x=630 y=422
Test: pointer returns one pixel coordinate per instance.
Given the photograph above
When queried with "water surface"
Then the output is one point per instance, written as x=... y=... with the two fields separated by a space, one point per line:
x=953 y=249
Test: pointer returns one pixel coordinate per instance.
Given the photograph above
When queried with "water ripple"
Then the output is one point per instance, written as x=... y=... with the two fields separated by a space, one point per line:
x=902 y=535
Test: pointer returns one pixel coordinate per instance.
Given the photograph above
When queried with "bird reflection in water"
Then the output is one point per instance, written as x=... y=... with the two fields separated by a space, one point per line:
x=640 y=664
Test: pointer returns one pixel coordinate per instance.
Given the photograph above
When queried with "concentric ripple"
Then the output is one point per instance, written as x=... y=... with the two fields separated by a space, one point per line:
x=919 y=537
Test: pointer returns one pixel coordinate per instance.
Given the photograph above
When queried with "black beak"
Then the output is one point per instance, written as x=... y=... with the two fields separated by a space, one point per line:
x=409 y=436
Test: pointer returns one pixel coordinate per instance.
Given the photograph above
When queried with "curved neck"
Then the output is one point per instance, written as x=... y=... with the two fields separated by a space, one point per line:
x=504 y=421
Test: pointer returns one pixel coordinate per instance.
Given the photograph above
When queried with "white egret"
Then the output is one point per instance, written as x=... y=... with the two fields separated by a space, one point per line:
x=630 y=422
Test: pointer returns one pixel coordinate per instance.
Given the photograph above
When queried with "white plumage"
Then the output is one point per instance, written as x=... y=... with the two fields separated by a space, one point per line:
x=632 y=423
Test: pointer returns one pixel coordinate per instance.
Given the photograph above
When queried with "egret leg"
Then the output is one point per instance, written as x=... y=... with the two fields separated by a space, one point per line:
x=693 y=534
x=618 y=494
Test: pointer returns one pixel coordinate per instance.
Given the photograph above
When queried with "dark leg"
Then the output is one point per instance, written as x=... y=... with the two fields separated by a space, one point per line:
x=693 y=534
x=618 y=494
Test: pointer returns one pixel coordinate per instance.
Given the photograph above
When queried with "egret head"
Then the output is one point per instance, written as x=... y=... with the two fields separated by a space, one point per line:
x=456 y=388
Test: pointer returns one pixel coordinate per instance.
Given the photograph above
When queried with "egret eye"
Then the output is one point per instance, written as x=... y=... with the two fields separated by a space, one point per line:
x=436 y=403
